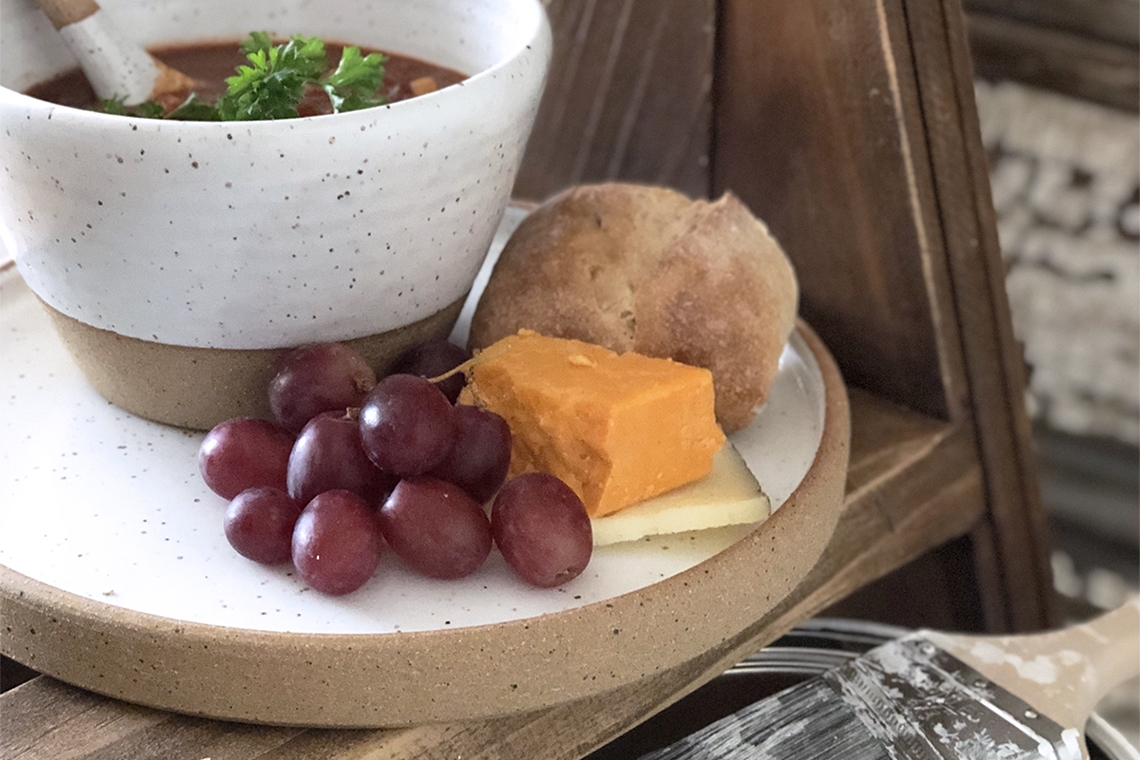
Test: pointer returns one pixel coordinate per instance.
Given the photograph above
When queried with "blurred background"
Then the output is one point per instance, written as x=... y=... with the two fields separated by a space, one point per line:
x=1058 y=93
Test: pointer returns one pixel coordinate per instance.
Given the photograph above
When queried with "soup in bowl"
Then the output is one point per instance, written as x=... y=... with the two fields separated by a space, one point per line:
x=178 y=259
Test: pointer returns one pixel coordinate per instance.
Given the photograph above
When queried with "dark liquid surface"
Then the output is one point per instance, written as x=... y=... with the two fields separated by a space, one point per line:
x=210 y=64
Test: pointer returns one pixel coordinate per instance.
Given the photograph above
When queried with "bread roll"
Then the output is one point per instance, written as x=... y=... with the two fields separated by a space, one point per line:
x=645 y=269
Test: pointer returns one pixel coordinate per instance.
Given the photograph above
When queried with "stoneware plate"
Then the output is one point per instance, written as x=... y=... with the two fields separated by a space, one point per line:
x=115 y=575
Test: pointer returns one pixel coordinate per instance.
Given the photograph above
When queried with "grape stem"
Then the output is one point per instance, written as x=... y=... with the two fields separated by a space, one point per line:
x=480 y=355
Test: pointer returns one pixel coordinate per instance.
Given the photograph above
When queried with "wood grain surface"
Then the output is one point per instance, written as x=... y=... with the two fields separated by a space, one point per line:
x=629 y=97
x=865 y=157
x=995 y=369
x=1116 y=21
x=818 y=149
x=1079 y=66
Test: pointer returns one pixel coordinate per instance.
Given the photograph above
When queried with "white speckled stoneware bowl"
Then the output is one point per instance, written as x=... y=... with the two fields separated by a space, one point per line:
x=177 y=259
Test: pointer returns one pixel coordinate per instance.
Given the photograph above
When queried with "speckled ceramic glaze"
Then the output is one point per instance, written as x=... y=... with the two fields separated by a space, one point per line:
x=253 y=235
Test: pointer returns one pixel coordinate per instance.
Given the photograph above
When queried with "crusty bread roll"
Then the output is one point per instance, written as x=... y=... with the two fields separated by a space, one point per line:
x=645 y=269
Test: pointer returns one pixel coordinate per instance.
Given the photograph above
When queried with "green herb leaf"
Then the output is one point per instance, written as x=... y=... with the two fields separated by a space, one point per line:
x=194 y=109
x=273 y=84
x=257 y=41
x=113 y=106
x=146 y=110
x=354 y=83
x=149 y=110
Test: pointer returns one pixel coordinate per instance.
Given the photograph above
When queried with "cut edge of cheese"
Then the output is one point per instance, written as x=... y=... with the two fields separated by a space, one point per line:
x=729 y=495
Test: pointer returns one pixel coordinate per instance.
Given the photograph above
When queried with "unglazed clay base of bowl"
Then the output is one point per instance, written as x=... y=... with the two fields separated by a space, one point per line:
x=120 y=580
x=199 y=387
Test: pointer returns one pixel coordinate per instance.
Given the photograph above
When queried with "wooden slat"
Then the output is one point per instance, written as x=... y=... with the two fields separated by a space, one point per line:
x=994 y=366
x=896 y=172
x=1109 y=20
x=905 y=598
x=79 y=724
x=883 y=436
x=807 y=127
x=864 y=155
x=48 y=720
x=980 y=563
x=913 y=485
x=987 y=563
x=1078 y=66
x=628 y=97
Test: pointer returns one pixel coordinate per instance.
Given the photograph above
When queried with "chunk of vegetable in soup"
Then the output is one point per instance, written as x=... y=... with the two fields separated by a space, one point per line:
x=210 y=63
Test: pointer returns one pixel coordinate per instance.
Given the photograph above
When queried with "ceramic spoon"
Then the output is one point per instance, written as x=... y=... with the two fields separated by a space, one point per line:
x=116 y=66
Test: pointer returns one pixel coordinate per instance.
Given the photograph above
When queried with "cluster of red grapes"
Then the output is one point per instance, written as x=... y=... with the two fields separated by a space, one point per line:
x=352 y=465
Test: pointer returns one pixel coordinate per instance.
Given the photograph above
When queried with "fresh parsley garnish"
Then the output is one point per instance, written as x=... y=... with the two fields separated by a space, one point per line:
x=356 y=80
x=192 y=109
x=273 y=83
x=255 y=42
x=116 y=106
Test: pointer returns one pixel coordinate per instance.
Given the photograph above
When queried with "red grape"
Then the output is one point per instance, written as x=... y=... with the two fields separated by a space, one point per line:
x=243 y=453
x=317 y=378
x=259 y=524
x=337 y=543
x=431 y=359
x=481 y=454
x=407 y=425
x=436 y=528
x=541 y=527
x=328 y=456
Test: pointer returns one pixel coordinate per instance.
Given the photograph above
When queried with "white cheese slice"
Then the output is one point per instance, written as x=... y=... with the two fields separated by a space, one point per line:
x=729 y=495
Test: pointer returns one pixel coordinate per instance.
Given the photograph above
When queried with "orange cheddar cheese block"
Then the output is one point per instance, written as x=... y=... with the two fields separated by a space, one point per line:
x=618 y=429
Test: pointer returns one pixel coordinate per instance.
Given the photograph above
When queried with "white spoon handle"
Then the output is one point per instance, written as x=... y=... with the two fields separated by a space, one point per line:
x=64 y=12
x=116 y=66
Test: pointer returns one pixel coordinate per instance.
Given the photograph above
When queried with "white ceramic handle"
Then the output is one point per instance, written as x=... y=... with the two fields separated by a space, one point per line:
x=115 y=66
x=1064 y=674
x=61 y=13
